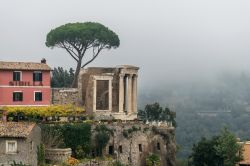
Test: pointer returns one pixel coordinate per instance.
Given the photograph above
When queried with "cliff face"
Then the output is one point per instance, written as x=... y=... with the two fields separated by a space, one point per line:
x=133 y=142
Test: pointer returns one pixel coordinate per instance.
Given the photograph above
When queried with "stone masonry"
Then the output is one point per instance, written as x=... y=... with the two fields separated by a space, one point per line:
x=144 y=139
x=110 y=92
x=64 y=96
x=58 y=155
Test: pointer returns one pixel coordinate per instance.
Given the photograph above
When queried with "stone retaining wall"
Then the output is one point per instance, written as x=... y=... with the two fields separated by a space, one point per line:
x=95 y=163
x=64 y=96
x=58 y=154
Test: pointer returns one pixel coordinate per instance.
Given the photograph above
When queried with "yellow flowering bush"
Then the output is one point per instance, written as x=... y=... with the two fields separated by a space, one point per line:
x=45 y=111
x=72 y=161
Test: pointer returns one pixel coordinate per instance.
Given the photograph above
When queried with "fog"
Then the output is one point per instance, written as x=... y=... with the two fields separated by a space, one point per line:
x=171 y=41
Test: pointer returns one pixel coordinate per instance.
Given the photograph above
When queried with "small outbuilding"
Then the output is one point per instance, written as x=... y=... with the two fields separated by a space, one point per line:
x=245 y=153
x=18 y=142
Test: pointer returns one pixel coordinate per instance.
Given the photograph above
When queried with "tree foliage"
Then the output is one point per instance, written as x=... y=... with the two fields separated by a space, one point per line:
x=61 y=77
x=204 y=153
x=52 y=137
x=228 y=148
x=154 y=112
x=77 y=136
x=77 y=38
x=219 y=150
x=102 y=137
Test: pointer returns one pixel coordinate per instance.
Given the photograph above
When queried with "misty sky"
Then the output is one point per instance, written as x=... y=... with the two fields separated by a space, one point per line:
x=170 y=40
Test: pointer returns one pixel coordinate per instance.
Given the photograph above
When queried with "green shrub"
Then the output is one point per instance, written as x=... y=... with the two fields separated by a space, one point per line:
x=102 y=137
x=41 y=155
x=80 y=154
x=153 y=160
x=77 y=137
x=116 y=163
x=44 y=111
x=128 y=133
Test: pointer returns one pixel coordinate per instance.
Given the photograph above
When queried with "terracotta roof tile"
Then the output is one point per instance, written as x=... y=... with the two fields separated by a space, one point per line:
x=16 y=129
x=23 y=66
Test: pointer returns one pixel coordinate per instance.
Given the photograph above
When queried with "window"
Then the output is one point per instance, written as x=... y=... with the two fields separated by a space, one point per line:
x=16 y=76
x=17 y=96
x=37 y=76
x=11 y=147
x=111 y=150
x=120 y=149
x=31 y=145
x=158 y=146
x=140 y=148
x=38 y=96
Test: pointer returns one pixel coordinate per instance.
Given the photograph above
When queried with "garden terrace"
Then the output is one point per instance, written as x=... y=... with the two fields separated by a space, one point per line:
x=43 y=113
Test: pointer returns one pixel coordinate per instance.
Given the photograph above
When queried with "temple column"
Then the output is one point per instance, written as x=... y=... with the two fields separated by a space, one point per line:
x=125 y=104
x=110 y=95
x=134 y=93
x=121 y=93
x=94 y=96
x=130 y=107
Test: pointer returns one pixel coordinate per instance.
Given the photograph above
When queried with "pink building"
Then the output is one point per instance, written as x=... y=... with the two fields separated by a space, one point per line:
x=24 y=83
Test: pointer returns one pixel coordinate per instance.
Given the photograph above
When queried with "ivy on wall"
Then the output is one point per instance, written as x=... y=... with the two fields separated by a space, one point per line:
x=77 y=137
x=102 y=137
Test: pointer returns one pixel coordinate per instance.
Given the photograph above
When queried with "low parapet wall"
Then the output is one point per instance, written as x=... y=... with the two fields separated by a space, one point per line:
x=58 y=154
x=64 y=96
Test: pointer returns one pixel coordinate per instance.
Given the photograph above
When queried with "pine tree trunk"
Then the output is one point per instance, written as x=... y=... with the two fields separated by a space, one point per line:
x=75 y=80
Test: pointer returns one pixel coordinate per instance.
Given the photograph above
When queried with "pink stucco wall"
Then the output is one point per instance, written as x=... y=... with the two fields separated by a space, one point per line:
x=6 y=90
x=6 y=96
x=7 y=76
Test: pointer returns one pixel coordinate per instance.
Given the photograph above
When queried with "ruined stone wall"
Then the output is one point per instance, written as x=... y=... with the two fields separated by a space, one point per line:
x=139 y=144
x=64 y=96
x=86 y=86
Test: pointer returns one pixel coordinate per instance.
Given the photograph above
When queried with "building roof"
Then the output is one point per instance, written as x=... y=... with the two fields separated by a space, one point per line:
x=23 y=66
x=128 y=67
x=16 y=129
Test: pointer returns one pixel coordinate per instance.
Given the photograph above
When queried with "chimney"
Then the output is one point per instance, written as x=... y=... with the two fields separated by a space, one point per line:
x=43 y=61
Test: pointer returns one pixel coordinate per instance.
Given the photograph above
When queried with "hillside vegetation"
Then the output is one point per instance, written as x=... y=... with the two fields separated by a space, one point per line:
x=204 y=108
